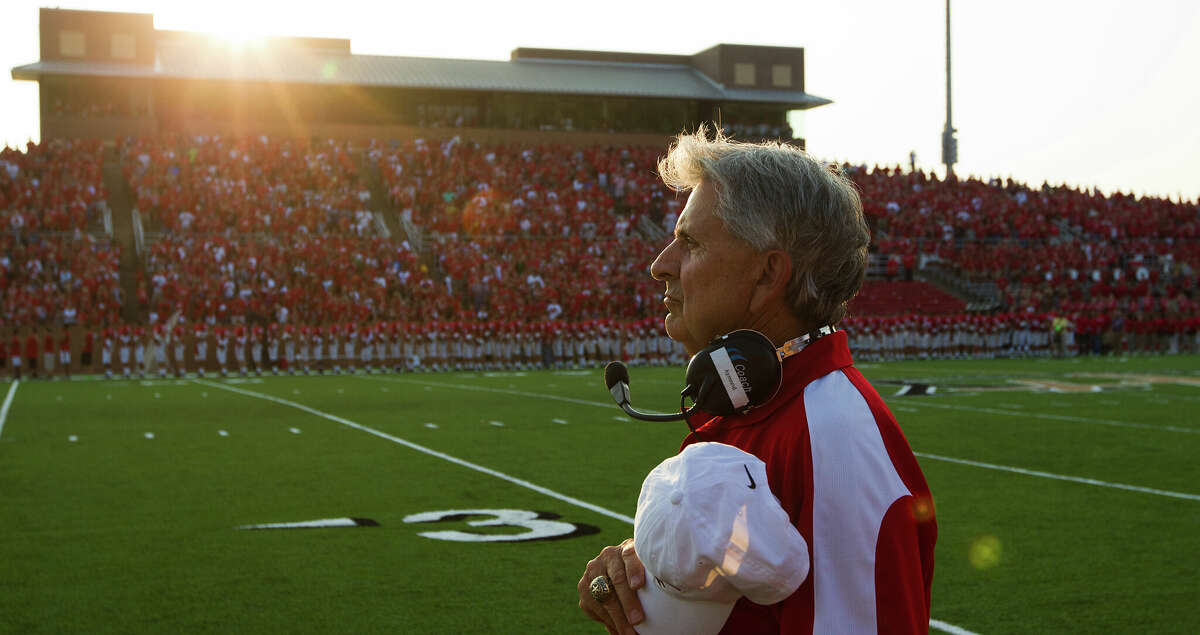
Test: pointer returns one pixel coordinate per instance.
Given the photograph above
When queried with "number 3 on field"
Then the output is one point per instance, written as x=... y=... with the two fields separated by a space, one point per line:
x=538 y=528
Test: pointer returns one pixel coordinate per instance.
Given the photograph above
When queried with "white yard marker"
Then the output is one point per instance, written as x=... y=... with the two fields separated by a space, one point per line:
x=12 y=392
x=324 y=523
x=149 y=435
x=294 y=430
x=157 y=396
x=560 y=421
x=949 y=628
x=1062 y=477
x=498 y=424
x=72 y=438
x=479 y=468
x=204 y=395
x=431 y=426
x=223 y=433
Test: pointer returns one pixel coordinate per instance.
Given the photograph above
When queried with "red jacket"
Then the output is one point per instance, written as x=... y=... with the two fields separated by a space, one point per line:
x=842 y=469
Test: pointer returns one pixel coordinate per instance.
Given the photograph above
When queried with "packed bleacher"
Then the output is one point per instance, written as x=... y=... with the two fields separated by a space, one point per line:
x=553 y=244
x=55 y=266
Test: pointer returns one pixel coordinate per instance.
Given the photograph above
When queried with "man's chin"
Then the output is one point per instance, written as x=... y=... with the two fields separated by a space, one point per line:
x=677 y=331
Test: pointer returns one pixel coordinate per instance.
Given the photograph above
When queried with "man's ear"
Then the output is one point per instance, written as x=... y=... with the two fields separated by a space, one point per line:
x=772 y=283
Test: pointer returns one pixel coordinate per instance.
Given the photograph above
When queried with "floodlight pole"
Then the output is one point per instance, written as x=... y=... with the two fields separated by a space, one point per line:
x=949 y=143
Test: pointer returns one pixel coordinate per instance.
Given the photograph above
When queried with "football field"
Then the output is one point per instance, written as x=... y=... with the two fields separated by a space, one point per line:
x=1067 y=494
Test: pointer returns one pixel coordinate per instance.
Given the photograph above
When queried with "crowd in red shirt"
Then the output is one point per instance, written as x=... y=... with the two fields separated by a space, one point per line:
x=260 y=230
x=51 y=271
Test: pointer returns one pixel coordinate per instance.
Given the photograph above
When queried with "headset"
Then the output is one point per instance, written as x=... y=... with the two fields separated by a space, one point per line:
x=736 y=373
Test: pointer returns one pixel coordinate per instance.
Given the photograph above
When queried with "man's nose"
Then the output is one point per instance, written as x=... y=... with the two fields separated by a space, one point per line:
x=665 y=266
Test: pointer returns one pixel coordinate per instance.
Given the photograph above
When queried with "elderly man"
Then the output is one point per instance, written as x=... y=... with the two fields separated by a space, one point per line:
x=774 y=241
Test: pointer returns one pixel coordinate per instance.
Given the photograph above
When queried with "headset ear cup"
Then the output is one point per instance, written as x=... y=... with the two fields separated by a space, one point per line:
x=711 y=397
x=749 y=360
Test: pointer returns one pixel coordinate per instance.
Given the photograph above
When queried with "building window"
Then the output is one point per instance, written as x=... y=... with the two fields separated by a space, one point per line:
x=70 y=43
x=124 y=46
x=743 y=74
x=781 y=76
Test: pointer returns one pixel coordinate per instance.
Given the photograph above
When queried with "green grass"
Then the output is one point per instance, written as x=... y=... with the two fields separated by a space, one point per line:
x=116 y=532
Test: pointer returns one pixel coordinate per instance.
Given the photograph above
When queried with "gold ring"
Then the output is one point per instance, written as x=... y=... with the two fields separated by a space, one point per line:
x=601 y=589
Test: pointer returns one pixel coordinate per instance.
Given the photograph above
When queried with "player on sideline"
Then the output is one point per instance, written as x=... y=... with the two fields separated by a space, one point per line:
x=14 y=354
x=239 y=348
x=125 y=346
x=311 y=347
x=349 y=342
x=139 y=351
x=256 y=346
x=222 y=336
x=200 y=345
x=367 y=348
x=273 y=347
x=64 y=352
x=180 y=353
x=48 y=354
x=107 y=341
x=31 y=351
x=85 y=353
x=160 y=350
x=332 y=347
x=289 y=349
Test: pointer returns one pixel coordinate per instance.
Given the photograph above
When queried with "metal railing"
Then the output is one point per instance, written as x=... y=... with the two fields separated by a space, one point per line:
x=139 y=238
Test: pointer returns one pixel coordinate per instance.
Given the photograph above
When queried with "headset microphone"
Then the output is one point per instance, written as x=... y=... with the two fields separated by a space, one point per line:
x=735 y=373
x=616 y=377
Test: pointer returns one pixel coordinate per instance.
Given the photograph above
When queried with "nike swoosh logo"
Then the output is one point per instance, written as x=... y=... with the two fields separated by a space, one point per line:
x=752 y=485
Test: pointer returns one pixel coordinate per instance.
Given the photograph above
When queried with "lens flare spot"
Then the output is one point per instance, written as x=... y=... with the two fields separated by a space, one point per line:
x=922 y=508
x=329 y=70
x=984 y=553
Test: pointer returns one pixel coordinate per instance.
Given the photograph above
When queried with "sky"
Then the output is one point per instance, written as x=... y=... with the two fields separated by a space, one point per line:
x=1099 y=94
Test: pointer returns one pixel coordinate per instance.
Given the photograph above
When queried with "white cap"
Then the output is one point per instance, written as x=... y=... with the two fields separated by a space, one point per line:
x=709 y=530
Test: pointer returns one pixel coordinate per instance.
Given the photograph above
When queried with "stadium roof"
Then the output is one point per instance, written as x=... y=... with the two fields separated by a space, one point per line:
x=526 y=75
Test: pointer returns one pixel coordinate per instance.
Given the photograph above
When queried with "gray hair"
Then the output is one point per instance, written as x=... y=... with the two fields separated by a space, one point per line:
x=775 y=196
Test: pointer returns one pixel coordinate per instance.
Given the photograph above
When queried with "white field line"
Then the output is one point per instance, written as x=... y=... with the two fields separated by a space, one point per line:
x=1061 y=477
x=12 y=392
x=949 y=628
x=420 y=448
x=937 y=624
x=1042 y=415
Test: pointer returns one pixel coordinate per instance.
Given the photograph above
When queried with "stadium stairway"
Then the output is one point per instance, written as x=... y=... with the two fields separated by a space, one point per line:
x=380 y=202
x=978 y=296
x=120 y=202
x=882 y=297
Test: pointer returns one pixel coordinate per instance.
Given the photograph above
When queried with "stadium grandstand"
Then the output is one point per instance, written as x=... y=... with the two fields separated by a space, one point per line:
x=294 y=207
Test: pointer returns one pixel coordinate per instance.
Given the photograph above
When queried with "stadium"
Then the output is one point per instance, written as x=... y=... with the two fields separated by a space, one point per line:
x=306 y=340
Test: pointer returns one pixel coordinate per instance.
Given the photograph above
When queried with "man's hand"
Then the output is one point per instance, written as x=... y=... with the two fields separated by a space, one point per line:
x=622 y=565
